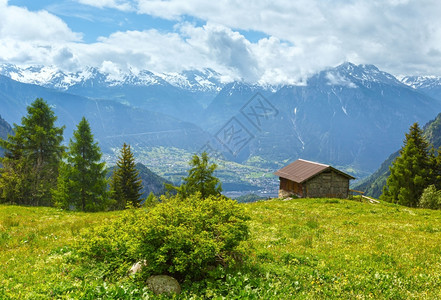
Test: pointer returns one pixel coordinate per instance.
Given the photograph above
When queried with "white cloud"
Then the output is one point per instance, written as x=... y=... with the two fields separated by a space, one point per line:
x=28 y=37
x=338 y=79
x=117 y=4
x=21 y=24
x=303 y=37
x=396 y=35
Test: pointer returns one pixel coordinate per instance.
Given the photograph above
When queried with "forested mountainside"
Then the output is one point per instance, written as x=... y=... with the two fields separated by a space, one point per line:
x=373 y=185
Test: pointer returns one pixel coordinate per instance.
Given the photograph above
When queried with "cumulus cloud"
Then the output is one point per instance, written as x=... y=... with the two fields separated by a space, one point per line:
x=65 y=59
x=300 y=37
x=224 y=47
x=28 y=37
x=396 y=35
x=21 y=24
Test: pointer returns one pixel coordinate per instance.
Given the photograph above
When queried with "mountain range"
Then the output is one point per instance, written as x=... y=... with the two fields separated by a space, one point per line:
x=113 y=123
x=351 y=116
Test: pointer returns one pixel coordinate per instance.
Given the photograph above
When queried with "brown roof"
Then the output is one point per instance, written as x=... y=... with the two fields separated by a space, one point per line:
x=302 y=170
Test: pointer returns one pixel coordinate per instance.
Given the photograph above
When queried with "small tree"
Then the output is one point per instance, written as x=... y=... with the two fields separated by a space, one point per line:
x=411 y=172
x=431 y=198
x=126 y=185
x=200 y=179
x=435 y=168
x=82 y=183
x=32 y=157
x=186 y=238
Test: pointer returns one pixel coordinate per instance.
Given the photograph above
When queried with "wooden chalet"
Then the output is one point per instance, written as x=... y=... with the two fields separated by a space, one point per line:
x=307 y=179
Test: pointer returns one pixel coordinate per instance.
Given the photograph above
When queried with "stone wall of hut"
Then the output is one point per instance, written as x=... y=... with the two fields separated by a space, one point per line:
x=328 y=184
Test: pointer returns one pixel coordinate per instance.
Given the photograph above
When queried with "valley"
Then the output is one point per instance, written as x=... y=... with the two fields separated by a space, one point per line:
x=237 y=179
x=351 y=116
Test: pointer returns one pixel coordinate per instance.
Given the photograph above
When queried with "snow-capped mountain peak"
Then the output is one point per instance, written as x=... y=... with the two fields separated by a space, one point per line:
x=352 y=76
x=418 y=82
x=51 y=77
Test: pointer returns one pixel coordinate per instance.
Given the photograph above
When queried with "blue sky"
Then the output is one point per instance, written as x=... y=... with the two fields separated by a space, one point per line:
x=278 y=41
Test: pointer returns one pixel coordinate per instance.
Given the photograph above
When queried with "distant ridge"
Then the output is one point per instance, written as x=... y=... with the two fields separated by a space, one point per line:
x=5 y=129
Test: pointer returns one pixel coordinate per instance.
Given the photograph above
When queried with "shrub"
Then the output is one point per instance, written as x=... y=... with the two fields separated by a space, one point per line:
x=185 y=238
x=431 y=198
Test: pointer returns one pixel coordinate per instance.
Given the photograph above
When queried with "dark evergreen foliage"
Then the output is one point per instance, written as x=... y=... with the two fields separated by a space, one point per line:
x=411 y=172
x=82 y=183
x=151 y=182
x=373 y=185
x=126 y=184
x=32 y=157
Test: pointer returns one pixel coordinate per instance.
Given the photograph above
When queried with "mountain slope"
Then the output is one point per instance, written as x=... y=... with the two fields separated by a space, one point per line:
x=228 y=103
x=182 y=95
x=349 y=116
x=151 y=182
x=373 y=185
x=5 y=129
x=112 y=123
x=429 y=85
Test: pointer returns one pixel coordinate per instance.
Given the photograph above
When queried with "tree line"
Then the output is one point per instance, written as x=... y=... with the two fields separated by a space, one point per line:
x=38 y=170
x=415 y=175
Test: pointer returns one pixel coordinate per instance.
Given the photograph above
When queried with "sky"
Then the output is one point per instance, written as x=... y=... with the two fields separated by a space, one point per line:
x=267 y=41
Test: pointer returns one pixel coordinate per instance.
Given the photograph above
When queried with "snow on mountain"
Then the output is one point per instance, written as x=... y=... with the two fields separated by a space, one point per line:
x=418 y=82
x=206 y=80
x=351 y=75
x=429 y=85
x=48 y=76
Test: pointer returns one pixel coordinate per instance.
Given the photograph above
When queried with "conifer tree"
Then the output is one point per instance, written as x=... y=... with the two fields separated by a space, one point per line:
x=82 y=183
x=32 y=157
x=126 y=185
x=435 y=168
x=411 y=171
x=200 y=179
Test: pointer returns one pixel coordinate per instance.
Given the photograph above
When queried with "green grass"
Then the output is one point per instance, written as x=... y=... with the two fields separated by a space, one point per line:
x=348 y=249
x=301 y=248
x=33 y=244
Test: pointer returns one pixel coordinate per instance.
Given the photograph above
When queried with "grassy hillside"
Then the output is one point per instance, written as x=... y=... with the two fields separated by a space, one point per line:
x=305 y=248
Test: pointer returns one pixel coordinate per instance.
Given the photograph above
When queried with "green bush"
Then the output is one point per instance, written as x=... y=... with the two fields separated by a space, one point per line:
x=431 y=198
x=184 y=238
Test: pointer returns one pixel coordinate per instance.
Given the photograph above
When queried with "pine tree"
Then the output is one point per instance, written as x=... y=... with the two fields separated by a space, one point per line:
x=32 y=157
x=435 y=169
x=411 y=172
x=126 y=185
x=200 y=179
x=82 y=183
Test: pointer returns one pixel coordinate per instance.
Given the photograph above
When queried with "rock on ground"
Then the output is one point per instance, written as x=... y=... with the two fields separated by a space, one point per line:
x=161 y=284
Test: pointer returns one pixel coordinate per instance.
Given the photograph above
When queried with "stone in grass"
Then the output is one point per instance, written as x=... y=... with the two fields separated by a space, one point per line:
x=163 y=284
x=137 y=267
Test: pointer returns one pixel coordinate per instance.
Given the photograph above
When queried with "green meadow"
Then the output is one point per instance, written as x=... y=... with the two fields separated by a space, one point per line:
x=300 y=248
